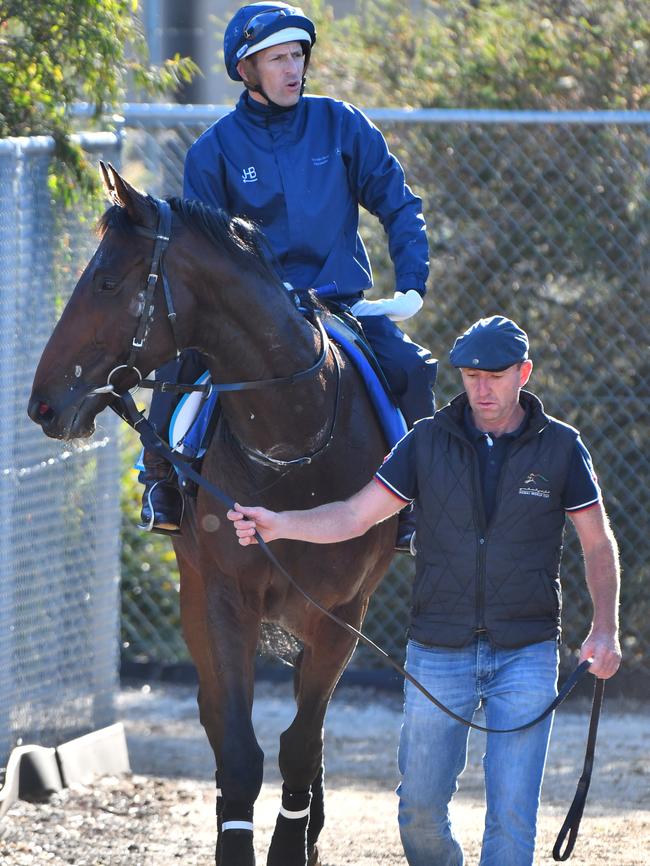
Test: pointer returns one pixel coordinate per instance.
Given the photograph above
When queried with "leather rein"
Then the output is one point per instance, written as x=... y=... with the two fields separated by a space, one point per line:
x=124 y=406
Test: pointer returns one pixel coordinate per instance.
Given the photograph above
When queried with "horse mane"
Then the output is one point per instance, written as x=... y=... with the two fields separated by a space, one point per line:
x=242 y=239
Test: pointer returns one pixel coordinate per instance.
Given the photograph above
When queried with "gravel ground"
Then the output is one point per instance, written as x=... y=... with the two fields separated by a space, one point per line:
x=164 y=812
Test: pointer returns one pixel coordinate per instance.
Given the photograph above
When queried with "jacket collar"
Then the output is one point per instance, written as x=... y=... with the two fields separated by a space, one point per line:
x=261 y=115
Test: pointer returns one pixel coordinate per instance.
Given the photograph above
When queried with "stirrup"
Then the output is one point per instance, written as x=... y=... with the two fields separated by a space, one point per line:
x=162 y=528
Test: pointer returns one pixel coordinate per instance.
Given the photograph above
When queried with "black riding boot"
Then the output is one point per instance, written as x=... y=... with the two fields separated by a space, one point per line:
x=405 y=542
x=162 y=501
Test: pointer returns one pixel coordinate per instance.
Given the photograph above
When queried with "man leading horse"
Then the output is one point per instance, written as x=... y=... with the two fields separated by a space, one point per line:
x=300 y=167
x=493 y=478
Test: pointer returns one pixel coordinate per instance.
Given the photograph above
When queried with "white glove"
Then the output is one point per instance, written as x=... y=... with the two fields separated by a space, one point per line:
x=401 y=306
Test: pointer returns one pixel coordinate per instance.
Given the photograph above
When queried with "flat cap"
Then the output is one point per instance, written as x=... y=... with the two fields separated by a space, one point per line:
x=490 y=344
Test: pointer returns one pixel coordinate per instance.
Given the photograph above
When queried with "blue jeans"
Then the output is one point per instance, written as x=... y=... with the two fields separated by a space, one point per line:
x=513 y=686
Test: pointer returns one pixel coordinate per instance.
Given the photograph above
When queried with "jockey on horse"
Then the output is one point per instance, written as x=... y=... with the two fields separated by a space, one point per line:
x=300 y=167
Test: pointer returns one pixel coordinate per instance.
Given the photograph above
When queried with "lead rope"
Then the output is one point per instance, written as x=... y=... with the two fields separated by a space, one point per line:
x=574 y=815
x=125 y=407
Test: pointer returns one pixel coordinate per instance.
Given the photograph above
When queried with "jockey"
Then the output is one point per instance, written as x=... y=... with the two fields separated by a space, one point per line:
x=300 y=167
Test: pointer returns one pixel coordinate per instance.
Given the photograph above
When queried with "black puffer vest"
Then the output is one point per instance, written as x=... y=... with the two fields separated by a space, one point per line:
x=501 y=577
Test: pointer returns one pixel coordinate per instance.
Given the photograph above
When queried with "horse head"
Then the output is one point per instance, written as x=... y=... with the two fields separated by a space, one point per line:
x=80 y=367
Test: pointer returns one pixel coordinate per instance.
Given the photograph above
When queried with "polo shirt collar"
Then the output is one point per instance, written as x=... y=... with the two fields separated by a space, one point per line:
x=475 y=435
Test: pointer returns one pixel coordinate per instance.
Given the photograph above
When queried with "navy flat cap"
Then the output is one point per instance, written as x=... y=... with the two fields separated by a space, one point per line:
x=490 y=344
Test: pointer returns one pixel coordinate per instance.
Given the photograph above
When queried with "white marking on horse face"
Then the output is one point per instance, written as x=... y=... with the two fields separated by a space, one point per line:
x=77 y=371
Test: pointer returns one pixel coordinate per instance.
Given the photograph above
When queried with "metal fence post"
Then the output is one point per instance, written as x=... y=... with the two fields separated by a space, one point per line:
x=8 y=279
x=59 y=502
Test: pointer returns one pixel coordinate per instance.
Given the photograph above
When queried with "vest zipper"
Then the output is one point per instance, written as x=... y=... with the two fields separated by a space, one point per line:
x=480 y=553
x=483 y=540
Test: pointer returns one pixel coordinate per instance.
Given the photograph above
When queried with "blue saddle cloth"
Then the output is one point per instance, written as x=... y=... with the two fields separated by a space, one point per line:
x=391 y=419
x=192 y=443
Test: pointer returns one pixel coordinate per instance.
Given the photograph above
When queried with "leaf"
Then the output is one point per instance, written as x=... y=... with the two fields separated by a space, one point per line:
x=56 y=53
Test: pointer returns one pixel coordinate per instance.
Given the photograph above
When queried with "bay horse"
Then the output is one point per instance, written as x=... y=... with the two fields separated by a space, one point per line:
x=232 y=308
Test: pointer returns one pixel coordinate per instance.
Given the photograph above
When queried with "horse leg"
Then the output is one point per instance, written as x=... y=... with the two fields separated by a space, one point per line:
x=316 y=816
x=225 y=715
x=301 y=816
x=222 y=639
x=194 y=625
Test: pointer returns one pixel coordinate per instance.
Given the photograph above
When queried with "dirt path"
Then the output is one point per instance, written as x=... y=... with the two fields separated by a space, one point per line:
x=163 y=814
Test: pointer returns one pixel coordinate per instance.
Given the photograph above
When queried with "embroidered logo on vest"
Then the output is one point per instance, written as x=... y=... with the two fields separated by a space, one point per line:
x=535 y=485
x=249 y=175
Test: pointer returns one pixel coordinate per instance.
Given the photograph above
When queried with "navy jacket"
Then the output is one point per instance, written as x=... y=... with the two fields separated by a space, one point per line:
x=301 y=174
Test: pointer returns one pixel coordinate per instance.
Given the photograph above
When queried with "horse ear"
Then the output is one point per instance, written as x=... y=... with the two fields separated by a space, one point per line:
x=107 y=183
x=122 y=194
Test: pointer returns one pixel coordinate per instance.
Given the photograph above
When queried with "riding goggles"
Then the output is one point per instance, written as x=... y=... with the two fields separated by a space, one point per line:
x=258 y=23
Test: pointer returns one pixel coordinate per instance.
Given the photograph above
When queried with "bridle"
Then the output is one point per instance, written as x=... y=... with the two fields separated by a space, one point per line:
x=161 y=237
x=124 y=405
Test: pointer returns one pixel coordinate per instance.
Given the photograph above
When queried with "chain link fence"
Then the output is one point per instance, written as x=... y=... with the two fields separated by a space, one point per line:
x=539 y=216
x=59 y=513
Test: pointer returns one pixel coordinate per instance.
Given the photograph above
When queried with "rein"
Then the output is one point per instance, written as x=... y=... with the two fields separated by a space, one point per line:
x=178 y=388
x=124 y=406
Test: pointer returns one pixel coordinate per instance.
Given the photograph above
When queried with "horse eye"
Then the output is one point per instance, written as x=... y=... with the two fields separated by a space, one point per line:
x=105 y=285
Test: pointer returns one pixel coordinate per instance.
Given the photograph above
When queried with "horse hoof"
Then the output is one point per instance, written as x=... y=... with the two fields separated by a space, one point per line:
x=237 y=849
x=287 y=849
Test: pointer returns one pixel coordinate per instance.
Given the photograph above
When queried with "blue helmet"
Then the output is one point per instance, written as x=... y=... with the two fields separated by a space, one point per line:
x=261 y=25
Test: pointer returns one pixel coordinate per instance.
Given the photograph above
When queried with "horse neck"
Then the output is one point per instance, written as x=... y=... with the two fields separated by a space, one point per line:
x=254 y=332
x=249 y=327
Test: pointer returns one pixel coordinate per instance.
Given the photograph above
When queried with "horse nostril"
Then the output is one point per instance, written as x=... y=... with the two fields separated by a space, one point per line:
x=40 y=412
x=45 y=413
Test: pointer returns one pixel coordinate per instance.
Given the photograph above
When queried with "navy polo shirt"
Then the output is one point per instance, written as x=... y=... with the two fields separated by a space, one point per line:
x=491 y=451
x=398 y=471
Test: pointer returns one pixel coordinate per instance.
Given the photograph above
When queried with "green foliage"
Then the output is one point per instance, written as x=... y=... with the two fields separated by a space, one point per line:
x=507 y=54
x=61 y=51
